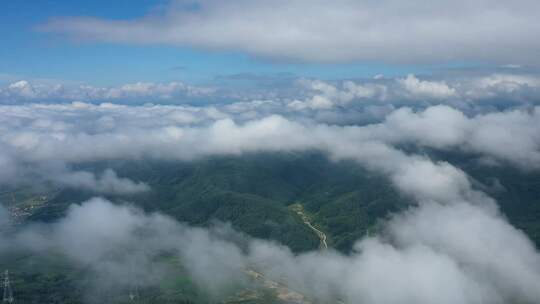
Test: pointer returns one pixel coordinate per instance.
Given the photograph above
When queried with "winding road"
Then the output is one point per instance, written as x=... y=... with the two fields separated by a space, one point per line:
x=322 y=236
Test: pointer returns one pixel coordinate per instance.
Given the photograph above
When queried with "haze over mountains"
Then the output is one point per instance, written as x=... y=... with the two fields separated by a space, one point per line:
x=266 y=187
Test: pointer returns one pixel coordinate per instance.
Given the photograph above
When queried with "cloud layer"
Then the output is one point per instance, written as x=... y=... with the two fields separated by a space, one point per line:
x=49 y=139
x=346 y=30
x=360 y=99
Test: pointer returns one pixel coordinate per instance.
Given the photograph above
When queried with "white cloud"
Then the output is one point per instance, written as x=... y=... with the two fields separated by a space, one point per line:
x=471 y=93
x=501 y=86
x=427 y=89
x=458 y=224
x=108 y=182
x=345 y=30
x=509 y=82
x=438 y=126
x=327 y=96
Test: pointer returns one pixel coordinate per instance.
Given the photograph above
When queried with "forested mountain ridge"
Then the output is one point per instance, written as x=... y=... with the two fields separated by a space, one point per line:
x=253 y=192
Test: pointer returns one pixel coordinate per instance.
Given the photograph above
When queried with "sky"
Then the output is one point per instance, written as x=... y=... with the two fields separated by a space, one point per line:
x=31 y=53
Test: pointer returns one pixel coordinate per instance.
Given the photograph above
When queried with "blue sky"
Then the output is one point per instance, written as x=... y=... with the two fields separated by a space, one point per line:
x=31 y=54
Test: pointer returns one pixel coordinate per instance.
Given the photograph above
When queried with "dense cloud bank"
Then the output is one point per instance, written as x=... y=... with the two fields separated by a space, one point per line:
x=340 y=31
x=47 y=140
